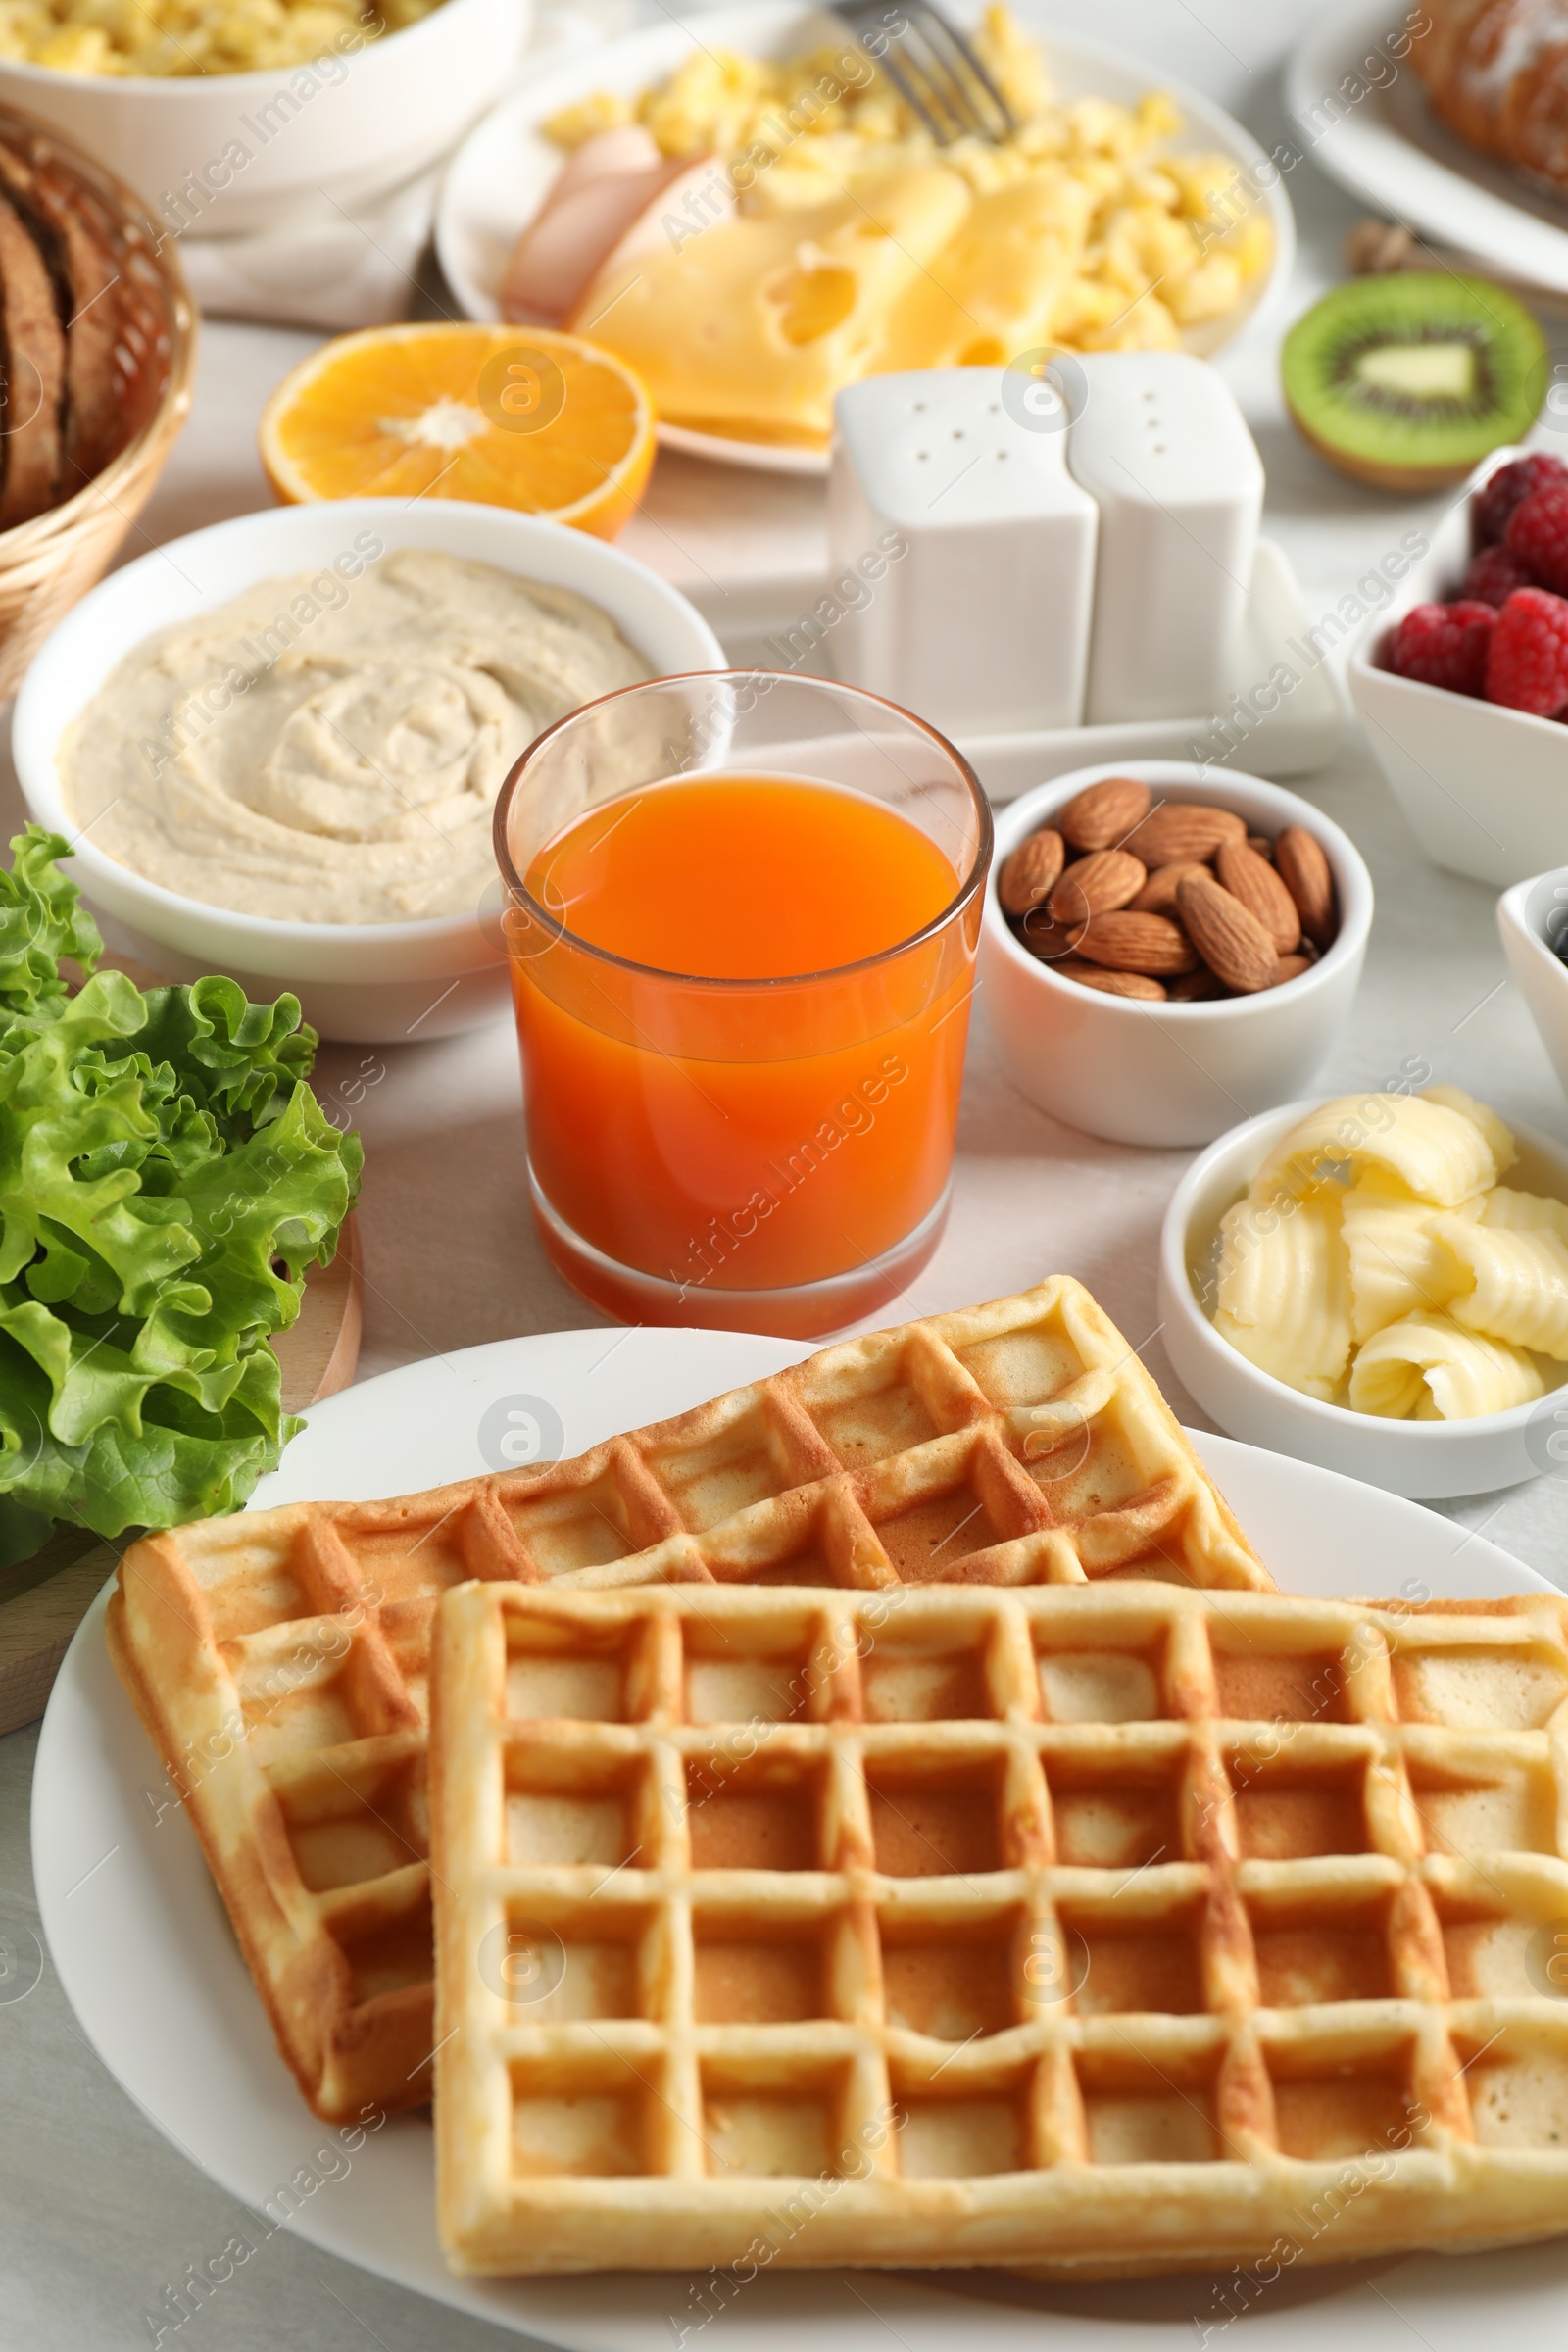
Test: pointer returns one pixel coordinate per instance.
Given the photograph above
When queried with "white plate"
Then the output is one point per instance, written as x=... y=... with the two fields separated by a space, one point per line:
x=1389 y=150
x=500 y=174
x=144 y=1952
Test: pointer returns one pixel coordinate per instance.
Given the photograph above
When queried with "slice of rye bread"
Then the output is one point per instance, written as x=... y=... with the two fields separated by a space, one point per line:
x=35 y=358
x=76 y=249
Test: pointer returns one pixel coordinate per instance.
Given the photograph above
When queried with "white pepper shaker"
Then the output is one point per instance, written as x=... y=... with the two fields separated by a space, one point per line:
x=981 y=623
x=1160 y=444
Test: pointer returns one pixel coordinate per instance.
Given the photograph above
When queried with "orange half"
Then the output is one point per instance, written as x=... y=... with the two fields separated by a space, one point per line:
x=510 y=415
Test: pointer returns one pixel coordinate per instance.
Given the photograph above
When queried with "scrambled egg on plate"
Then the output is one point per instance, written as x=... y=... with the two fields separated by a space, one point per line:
x=858 y=245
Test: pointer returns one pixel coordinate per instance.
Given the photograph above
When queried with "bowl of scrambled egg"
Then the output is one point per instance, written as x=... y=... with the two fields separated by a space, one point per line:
x=228 y=116
x=818 y=233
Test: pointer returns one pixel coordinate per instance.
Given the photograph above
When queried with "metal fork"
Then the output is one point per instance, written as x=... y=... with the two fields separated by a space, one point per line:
x=933 y=68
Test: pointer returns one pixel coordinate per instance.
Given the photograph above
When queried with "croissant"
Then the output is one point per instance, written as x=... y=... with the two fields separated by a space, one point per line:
x=1496 y=72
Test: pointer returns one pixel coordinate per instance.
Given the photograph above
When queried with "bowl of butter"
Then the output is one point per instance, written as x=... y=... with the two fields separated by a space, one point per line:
x=1379 y=1283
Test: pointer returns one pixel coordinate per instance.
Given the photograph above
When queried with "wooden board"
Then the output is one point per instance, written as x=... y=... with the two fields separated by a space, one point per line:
x=318 y=1355
x=319 y=1351
x=35 y=1633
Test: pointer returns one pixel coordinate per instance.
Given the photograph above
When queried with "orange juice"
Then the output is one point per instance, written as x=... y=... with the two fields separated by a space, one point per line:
x=744 y=1090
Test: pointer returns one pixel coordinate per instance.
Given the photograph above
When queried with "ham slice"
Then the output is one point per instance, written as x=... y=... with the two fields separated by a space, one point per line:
x=697 y=196
x=615 y=187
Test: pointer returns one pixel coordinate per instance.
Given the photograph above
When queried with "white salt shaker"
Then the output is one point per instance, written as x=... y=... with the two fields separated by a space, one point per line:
x=980 y=619
x=1160 y=445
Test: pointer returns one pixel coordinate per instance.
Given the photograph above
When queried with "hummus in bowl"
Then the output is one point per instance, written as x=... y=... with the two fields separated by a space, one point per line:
x=390 y=977
x=328 y=748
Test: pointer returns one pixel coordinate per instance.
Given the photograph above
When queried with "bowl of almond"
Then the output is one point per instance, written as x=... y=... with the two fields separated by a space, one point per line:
x=1169 y=948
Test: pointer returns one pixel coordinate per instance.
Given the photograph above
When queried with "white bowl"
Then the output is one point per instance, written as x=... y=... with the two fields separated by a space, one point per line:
x=1170 y=1073
x=376 y=982
x=1418 y=1458
x=1485 y=788
x=1529 y=916
x=253 y=150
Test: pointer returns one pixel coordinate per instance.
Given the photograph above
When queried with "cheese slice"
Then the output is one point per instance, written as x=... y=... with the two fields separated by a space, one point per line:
x=995 y=290
x=760 y=321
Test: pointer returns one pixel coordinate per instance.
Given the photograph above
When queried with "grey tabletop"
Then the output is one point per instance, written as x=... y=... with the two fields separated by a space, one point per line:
x=99 y=2214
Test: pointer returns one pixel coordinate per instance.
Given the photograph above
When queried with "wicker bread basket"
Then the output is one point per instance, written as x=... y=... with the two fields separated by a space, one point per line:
x=47 y=563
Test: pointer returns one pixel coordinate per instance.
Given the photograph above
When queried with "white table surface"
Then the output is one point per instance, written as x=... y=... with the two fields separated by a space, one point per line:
x=98 y=2213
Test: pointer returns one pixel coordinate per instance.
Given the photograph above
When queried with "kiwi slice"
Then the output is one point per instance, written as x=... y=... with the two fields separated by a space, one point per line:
x=1406 y=381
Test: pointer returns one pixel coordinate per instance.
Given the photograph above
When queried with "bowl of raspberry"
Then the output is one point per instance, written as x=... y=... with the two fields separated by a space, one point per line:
x=1464 y=685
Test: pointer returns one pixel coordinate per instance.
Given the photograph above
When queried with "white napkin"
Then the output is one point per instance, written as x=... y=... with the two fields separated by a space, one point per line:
x=359 y=265
x=356 y=268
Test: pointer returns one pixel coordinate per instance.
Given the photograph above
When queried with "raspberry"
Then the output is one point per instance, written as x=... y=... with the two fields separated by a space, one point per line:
x=1537 y=534
x=1527 y=659
x=1443 y=645
x=1497 y=498
x=1495 y=575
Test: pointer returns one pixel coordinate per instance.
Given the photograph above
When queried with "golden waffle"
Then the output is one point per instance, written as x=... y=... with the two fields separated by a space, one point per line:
x=1108 y=1931
x=279 y=1658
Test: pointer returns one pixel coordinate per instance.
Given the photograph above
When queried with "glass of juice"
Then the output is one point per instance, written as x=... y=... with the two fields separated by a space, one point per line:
x=742 y=912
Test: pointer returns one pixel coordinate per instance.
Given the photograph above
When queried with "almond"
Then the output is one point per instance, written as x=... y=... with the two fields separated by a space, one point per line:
x=1114 y=984
x=1290 y=967
x=1102 y=814
x=1179 y=830
x=1048 y=940
x=1251 y=879
x=1030 y=874
x=1231 y=941
x=1197 y=988
x=1140 y=943
x=1262 y=843
x=1096 y=885
x=1305 y=871
x=1159 y=894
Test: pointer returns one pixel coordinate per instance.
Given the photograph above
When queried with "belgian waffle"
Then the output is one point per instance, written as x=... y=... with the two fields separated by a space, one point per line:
x=279 y=1658
x=1106 y=1931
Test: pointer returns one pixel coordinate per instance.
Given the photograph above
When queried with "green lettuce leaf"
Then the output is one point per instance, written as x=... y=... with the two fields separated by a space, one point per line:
x=41 y=921
x=167 y=1177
